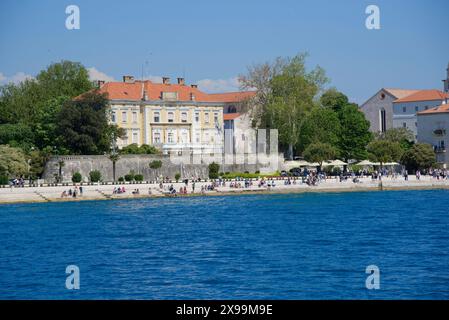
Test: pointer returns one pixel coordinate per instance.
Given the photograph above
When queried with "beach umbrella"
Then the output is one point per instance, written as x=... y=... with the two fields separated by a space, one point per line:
x=296 y=164
x=335 y=163
x=367 y=163
x=391 y=164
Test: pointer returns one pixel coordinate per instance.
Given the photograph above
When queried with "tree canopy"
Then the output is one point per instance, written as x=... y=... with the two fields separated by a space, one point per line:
x=420 y=156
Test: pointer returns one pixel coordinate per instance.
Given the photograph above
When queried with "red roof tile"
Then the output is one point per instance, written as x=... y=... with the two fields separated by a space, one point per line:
x=230 y=116
x=444 y=108
x=424 y=95
x=133 y=91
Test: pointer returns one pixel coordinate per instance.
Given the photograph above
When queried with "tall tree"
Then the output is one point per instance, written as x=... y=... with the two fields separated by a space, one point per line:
x=420 y=156
x=334 y=99
x=287 y=94
x=321 y=125
x=83 y=124
x=355 y=134
x=384 y=151
x=319 y=152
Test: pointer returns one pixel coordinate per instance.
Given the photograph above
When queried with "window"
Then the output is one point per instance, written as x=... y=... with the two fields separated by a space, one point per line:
x=135 y=137
x=171 y=116
x=157 y=116
x=184 y=137
x=183 y=116
x=157 y=138
x=426 y=107
x=124 y=116
x=215 y=117
x=404 y=109
x=134 y=117
x=197 y=117
x=383 y=120
x=416 y=124
x=197 y=138
x=206 y=117
x=113 y=117
x=404 y=125
x=416 y=108
x=170 y=137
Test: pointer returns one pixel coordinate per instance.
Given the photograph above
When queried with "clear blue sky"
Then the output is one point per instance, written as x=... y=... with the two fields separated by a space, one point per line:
x=218 y=39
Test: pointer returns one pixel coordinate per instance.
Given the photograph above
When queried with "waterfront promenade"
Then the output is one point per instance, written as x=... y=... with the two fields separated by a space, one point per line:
x=105 y=191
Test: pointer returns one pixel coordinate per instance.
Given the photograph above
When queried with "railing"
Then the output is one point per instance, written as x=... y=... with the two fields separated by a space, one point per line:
x=439 y=149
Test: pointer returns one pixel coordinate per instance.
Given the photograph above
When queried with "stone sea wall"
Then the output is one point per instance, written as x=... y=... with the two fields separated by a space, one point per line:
x=187 y=167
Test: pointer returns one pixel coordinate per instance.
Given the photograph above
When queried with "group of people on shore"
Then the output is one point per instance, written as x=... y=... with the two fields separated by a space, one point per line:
x=77 y=191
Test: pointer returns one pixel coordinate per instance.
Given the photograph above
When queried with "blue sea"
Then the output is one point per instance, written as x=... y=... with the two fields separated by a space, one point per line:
x=298 y=246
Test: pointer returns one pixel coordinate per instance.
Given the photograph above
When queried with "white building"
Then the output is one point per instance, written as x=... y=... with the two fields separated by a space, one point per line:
x=433 y=128
x=405 y=109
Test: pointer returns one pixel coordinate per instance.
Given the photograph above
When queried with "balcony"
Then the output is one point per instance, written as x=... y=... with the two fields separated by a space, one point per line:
x=439 y=149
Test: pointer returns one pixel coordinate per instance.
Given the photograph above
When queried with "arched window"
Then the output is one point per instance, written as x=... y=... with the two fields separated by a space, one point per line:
x=383 y=120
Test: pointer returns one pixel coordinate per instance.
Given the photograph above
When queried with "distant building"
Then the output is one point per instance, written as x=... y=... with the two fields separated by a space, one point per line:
x=405 y=109
x=433 y=128
x=172 y=117
x=396 y=108
x=378 y=109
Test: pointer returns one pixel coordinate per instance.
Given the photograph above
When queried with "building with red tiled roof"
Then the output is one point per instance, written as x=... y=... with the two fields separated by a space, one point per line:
x=406 y=108
x=172 y=117
x=433 y=128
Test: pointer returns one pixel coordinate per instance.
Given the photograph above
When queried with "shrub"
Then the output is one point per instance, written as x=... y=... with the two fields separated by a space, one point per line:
x=257 y=172
x=121 y=179
x=129 y=177
x=76 y=177
x=4 y=180
x=155 y=164
x=95 y=176
x=177 y=177
x=138 y=177
x=213 y=170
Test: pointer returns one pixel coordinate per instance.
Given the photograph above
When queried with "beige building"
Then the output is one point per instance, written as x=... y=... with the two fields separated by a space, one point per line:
x=171 y=117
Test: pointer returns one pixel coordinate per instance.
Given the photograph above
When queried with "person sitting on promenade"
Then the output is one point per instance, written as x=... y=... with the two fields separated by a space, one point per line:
x=64 y=194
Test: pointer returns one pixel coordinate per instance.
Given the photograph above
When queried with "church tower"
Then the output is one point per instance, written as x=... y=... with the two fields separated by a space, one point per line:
x=446 y=82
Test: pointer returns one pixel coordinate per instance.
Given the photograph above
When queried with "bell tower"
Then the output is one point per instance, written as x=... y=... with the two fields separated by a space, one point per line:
x=446 y=82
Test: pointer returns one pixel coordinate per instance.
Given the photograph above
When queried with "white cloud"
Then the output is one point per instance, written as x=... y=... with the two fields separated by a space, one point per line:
x=16 y=78
x=219 y=85
x=94 y=75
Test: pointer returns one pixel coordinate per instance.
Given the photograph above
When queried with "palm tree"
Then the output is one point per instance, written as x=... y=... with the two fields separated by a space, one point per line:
x=114 y=158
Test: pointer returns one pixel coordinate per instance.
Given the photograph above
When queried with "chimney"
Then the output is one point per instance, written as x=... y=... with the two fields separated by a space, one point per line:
x=128 y=79
x=100 y=83
x=145 y=95
x=165 y=80
x=192 y=96
x=195 y=86
x=181 y=81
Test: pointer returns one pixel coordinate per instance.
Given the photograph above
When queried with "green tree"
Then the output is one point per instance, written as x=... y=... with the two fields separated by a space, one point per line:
x=384 y=151
x=83 y=124
x=33 y=105
x=321 y=125
x=155 y=164
x=334 y=100
x=420 y=156
x=319 y=152
x=286 y=93
x=95 y=176
x=12 y=161
x=135 y=149
x=355 y=134
x=213 y=170
x=76 y=177
x=403 y=136
x=177 y=176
